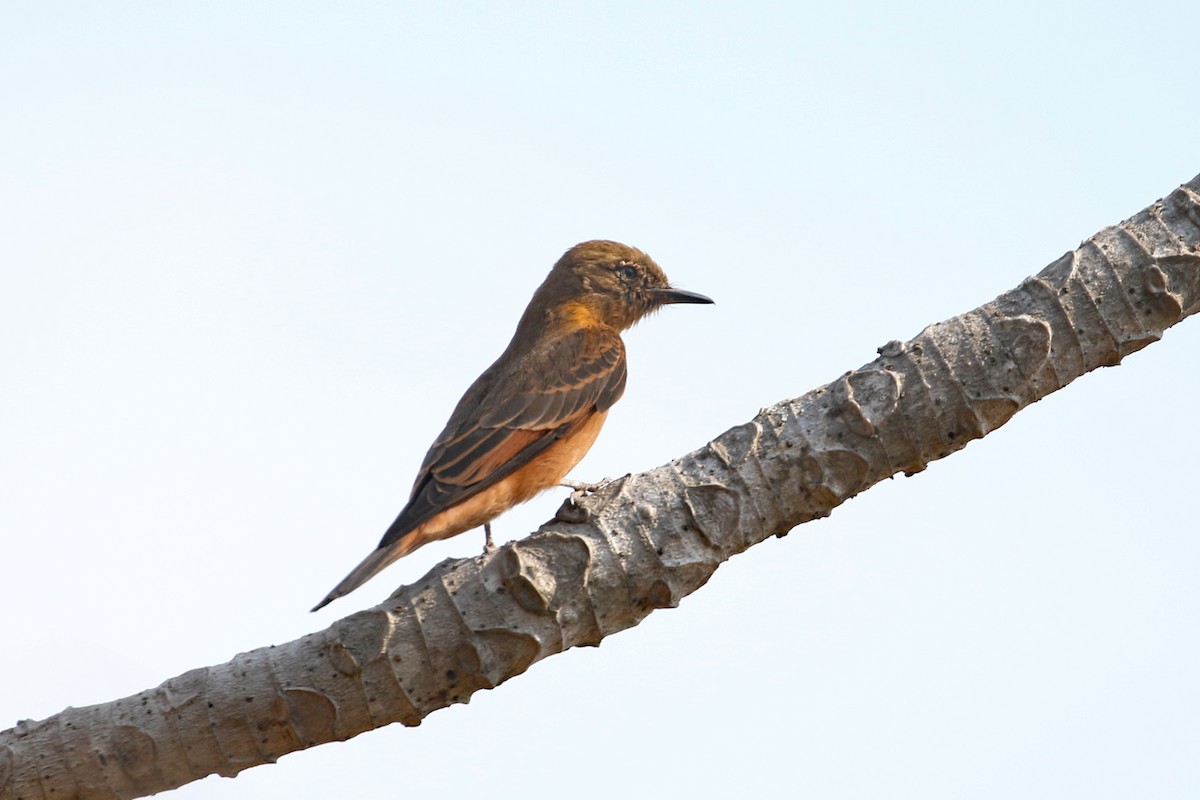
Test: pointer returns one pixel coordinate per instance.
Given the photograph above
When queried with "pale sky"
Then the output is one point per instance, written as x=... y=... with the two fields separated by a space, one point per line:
x=252 y=254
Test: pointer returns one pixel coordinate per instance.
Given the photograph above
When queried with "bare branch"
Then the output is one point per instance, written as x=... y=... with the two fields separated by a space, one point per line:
x=639 y=543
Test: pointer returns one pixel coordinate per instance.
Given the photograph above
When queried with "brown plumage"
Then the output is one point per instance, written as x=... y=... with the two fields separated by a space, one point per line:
x=534 y=413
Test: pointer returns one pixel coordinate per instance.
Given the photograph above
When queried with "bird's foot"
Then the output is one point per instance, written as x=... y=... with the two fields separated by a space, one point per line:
x=581 y=488
x=572 y=510
x=488 y=545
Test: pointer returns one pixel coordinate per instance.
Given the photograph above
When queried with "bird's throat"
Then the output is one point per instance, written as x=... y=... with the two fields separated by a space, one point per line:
x=579 y=314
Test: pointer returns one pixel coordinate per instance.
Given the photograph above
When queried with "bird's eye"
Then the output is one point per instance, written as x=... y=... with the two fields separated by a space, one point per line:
x=628 y=271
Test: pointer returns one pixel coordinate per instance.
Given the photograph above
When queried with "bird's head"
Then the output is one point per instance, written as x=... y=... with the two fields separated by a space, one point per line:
x=609 y=283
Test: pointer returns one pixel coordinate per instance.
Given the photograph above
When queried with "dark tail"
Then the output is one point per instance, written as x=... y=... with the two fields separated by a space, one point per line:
x=369 y=568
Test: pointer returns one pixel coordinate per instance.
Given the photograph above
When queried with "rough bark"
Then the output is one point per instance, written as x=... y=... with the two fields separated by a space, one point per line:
x=639 y=543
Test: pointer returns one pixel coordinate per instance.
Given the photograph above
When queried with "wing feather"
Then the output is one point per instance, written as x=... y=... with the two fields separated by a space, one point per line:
x=516 y=410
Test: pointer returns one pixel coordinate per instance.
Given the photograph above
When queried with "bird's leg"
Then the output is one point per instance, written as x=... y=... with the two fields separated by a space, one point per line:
x=488 y=546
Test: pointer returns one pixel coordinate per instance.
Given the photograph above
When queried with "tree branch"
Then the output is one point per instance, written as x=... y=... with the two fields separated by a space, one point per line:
x=640 y=543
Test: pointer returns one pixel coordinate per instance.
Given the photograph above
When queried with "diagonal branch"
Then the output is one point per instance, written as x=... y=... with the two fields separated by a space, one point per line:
x=637 y=544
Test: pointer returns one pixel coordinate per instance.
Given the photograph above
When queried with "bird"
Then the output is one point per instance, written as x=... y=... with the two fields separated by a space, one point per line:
x=536 y=411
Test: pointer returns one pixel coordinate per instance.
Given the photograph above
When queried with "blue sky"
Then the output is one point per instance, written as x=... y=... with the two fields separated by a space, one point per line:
x=251 y=255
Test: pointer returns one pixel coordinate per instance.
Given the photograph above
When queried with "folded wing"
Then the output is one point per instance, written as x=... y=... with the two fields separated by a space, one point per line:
x=505 y=422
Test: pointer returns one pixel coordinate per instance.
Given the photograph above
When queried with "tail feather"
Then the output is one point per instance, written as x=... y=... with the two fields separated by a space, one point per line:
x=371 y=566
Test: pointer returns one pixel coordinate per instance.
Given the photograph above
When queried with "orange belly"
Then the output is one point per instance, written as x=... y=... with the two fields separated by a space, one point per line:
x=543 y=472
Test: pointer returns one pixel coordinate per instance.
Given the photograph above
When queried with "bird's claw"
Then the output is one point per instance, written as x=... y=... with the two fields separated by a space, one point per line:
x=580 y=489
x=488 y=545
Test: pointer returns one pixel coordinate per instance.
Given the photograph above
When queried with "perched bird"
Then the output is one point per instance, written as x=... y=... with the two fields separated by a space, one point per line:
x=534 y=413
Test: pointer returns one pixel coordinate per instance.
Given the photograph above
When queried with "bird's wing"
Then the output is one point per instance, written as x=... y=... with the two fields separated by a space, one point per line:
x=503 y=424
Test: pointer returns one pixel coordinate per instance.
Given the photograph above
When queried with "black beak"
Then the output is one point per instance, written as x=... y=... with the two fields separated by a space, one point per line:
x=668 y=295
